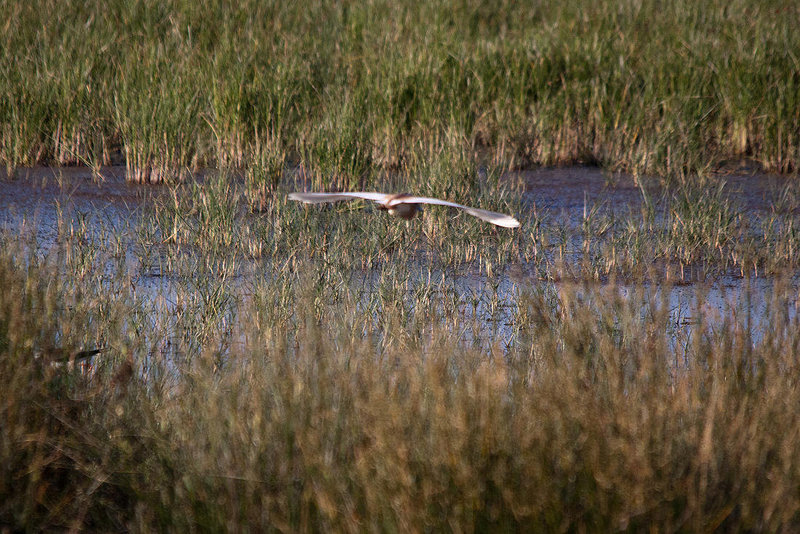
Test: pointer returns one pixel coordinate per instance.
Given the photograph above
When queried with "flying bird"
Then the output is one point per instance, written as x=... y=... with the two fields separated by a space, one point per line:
x=404 y=205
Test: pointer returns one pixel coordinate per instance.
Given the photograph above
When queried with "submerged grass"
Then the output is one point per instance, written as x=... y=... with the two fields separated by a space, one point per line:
x=348 y=89
x=695 y=229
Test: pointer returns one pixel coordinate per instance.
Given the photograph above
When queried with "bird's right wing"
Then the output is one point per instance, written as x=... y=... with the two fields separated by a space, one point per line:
x=500 y=219
x=318 y=198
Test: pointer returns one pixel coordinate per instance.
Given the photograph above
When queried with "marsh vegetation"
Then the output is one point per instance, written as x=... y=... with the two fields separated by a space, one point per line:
x=267 y=366
x=351 y=88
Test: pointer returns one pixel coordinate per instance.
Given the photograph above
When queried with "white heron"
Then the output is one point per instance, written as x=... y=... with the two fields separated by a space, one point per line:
x=404 y=205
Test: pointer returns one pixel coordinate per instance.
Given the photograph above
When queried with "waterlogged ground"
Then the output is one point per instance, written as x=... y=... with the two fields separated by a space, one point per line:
x=573 y=189
x=101 y=211
x=41 y=200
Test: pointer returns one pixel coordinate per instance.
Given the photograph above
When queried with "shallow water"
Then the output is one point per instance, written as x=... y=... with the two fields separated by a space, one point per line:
x=566 y=196
x=39 y=201
x=40 y=197
x=571 y=190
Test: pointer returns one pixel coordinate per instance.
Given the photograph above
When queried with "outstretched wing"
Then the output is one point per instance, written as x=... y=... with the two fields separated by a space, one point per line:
x=318 y=198
x=500 y=219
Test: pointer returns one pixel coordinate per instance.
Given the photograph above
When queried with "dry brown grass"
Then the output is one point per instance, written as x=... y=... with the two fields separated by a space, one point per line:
x=324 y=419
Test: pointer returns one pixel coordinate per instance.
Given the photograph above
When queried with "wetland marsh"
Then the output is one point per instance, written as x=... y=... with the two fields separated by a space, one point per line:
x=626 y=359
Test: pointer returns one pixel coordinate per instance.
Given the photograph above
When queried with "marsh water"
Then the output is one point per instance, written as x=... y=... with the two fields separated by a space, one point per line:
x=47 y=205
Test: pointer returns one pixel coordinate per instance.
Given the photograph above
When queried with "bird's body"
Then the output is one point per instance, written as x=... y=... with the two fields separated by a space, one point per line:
x=395 y=206
x=404 y=205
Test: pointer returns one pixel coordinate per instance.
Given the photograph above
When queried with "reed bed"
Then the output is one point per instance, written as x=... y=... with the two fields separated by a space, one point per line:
x=310 y=370
x=305 y=400
x=346 y=89
x=269 y=366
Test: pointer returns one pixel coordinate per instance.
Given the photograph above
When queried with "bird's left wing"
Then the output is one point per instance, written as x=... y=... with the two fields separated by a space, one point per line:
x=500 y=219
x=318 y=198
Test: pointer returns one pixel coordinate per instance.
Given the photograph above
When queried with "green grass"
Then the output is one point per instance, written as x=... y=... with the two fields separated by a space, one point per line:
x=348 y=90
x=325 y=368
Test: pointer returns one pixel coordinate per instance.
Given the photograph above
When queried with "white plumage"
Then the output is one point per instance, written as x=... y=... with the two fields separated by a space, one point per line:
x=404 y=205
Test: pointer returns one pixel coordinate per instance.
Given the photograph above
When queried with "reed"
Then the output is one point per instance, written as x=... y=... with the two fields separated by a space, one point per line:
x=354 y=89
x=266 y=366
x=311 y=400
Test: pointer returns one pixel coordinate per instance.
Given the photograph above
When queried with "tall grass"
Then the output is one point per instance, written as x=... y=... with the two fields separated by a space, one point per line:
x=310 y=404
x=316 y=368
x=322 y=368
x=350 y=88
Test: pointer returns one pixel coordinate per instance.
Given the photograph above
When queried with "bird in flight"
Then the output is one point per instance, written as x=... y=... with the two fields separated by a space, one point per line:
x=404 y=205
